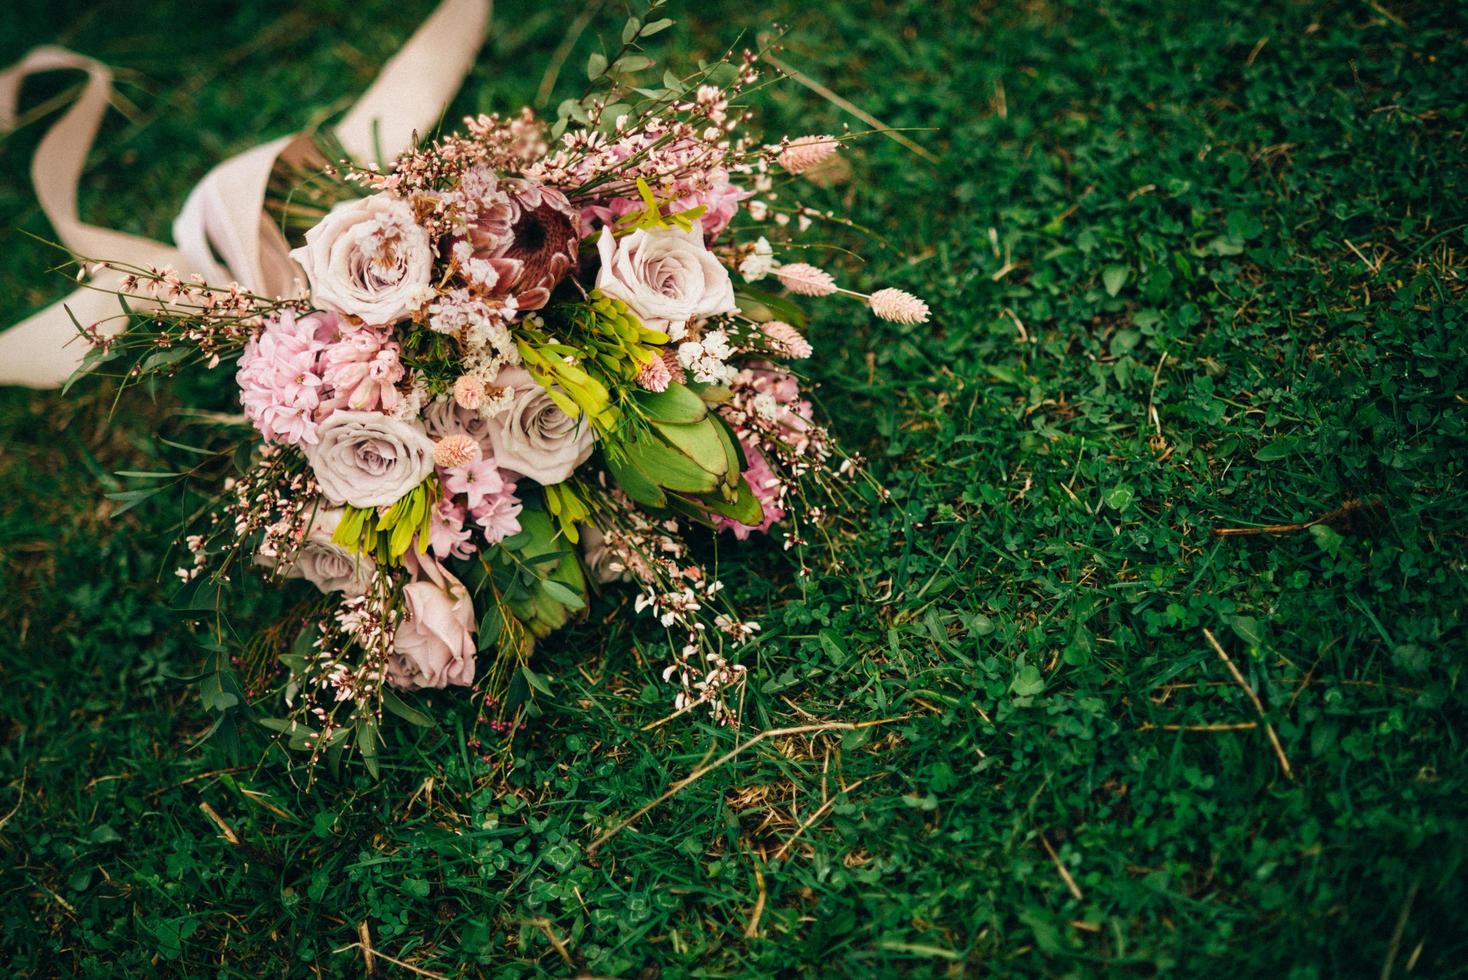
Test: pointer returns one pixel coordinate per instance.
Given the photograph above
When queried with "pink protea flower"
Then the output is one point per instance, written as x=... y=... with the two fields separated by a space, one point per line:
x=363 y=370
x=805 y=280
x=528 y=234
x=456 y=449
x=805 y=152
x=447 y=535
x=766 y=486
x=785 y=339
x=280 y=376
x=898 y=306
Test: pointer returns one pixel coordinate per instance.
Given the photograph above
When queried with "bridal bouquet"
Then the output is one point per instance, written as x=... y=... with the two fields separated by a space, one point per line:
x=525 y=360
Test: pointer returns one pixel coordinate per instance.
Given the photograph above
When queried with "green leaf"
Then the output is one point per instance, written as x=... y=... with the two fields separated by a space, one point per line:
x=633 y=483
x=700 y=443
x=490 y=625
x=1028 y=682
x=366 y=732
x=678 y=404
x=596 y=66
x=665 y=466
x=562 y=594
x=1278 y=448
x=394 y=703
x=1119 y=497
x=536 y=682
x=1247 y=628
x=634 y=62
x=1113 y=277
x=744 y=508
x=760 y=305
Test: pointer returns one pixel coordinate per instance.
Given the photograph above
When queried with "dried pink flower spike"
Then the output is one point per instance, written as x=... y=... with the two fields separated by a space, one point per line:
x=805 y=280
x=805 y=152
x=898 y=306
x=456 y=449
x=675 y=370
x=785 y=339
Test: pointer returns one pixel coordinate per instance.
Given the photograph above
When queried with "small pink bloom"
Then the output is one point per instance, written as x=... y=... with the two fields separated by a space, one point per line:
x=447 y=535
x=654 y=375
x=280 y=376
x=456 y=449
x=468 y=392
x=363 y=371
x=475 y=481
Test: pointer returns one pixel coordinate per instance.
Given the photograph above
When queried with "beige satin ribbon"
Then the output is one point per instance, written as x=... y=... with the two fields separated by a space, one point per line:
x=224 y=214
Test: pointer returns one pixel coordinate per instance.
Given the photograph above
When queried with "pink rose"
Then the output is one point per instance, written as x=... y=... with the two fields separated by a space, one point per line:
x=369 y=259
x=532 y=436
x=369 y=460
x=666 y=276
x=434 y=644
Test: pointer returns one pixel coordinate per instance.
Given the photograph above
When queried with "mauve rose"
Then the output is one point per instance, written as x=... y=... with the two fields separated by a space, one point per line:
x=367 y=459
x=369 y=259
x=532 y=436
x=434 y=644
x=444 y=417
x=328 y=566
x=665 y=275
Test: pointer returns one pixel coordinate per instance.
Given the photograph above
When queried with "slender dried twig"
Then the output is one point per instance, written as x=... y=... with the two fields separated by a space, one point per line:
x=224 y=828
x=19 y=800
x=700 y=772
x=821 y=811
x=1284 y=762
x=395 y=962
x=1070 y=882
x=364 y=935
x=1222 y=726
x=847 y=106
x=563 y=51
x=544 y=925
x=751 y=931
x=1342 y=512
x=1398 y=932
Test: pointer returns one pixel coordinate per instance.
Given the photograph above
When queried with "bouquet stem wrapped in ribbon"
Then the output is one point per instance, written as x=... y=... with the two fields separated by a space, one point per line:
x=511 y=365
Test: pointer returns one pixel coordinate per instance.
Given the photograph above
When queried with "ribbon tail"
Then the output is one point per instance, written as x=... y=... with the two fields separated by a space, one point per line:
x=414 y=88
x=223 y=231
x=46 y=348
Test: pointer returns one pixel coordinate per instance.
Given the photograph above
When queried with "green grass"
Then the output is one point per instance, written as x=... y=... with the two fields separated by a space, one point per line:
x=1192 y=266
